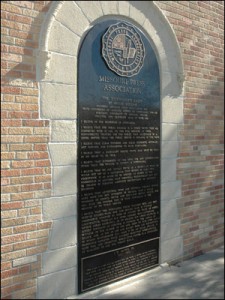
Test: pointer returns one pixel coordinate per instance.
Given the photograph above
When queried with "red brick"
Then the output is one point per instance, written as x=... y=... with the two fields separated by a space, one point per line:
x=12 y=205
x=36 y=250
x=32 y=171
x=31 y=187
x=21 y=147
x=23 y=293
x=11 y=123
x=20 y=115
x=6 y=231
x=10 y=90
x=25 y=228
x=22 y=196
x=9 y=273
x=13 y=222
x=40 y=147
x=6 y=248
x=21 y=180
x=43 y=178
x=42 y=163
x=5 y=181
x=22 y=164
x=44 y=225
x=24 y=245
x=13 y=239
x=33 y=123
x=6 y=265
x=21 y=131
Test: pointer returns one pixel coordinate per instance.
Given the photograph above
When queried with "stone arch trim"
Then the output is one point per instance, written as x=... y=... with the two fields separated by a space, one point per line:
x=61 y=35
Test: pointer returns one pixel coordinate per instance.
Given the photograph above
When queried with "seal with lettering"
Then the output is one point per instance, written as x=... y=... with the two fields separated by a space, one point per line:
x=123 y=49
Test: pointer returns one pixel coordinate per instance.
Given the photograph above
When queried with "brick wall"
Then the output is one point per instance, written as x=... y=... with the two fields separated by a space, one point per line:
x=26 y=170
x=26 y=166
x=199 y=27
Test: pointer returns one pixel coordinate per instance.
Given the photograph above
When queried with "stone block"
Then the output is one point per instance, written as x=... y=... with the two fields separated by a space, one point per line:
x=24 y=260
x=64 y=180
x=170 y=149
x=169 y=210
x=58 y=260
x=109 y=7
x=168 y=170
x=58 y=101
x=137 y=13
x=92 y=11
x=63 y=154
x=172 y=110
x=63 y=131
x=63 y=40
x=171 y=249
x=155 y=17
x=170 y=230
x=170 y=190
x=75 y=19
x=169 y=132
x=170 y=62
x=63 y=233
x=57 y=285
x=151 y=31
x=62 y=69
x=59 y=207
x=171 y=85
x=124 y=8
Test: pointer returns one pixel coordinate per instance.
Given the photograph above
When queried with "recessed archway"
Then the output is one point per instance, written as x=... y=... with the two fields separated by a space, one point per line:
x=61 y=36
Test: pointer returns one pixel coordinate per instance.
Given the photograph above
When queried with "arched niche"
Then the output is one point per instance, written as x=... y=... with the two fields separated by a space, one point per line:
x=61 y=36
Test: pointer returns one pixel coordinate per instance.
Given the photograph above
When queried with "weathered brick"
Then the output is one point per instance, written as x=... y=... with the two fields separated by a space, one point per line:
x=5 y=164
x=6 y=231
x=13 y=222
x=43 y=178
x=6 y=248
x=5 y=181
x=6 y=265
x=12 y=205
x=23 y=293
x=32 y=171
x=26 y=99
x=25 y=228
x=13 y=238
x=24 y=245
x=44 y=225
x=9 y=273
x=21 y=155
x=13 y=255
x=9 y=214
x=34 y=218
x=31 y=203
x=31 y=187
x=38 y=155
x=18 y=180
x=21 y=147
x=22 y=196
x=36 y=250
x=38 y=234
x=22 y=164
x=21 y=131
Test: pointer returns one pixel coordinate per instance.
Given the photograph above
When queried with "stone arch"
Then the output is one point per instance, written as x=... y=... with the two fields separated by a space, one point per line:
x=61 y=35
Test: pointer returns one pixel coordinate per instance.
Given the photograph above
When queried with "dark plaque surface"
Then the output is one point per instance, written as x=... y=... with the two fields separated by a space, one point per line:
x=119 y=154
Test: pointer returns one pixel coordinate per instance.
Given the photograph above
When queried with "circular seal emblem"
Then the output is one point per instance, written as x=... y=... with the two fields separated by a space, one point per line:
x=123 y=49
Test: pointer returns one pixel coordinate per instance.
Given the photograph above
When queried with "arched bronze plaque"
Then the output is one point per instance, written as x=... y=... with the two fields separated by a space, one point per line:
x=119 y=154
